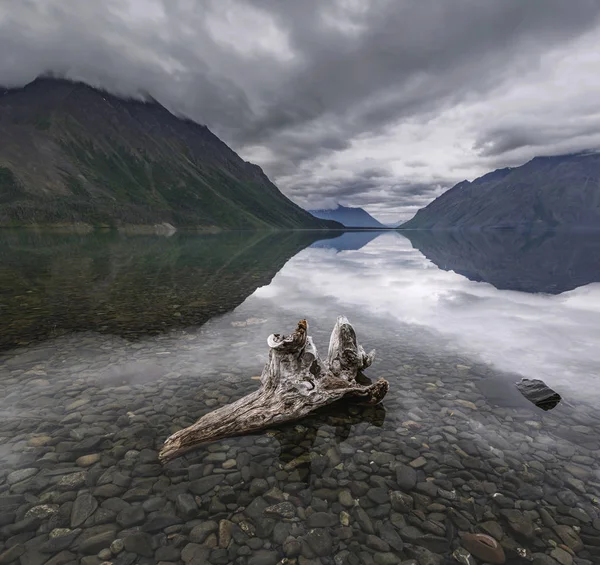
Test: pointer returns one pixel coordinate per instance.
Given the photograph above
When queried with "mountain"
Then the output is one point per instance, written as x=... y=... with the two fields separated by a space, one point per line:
x=546 y=192
x=349 y=217
x=551 y=262
x=71 y=153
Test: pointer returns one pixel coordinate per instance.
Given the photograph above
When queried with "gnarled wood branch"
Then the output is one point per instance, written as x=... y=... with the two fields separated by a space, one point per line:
x=294 y=382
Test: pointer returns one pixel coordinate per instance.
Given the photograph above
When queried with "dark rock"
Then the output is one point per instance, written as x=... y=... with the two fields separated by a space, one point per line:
x=186 y=506
x=519 y=523
x=167 y=553
x=131 y=516
x=194 y=554
x=96 y=543
x=12 y=554
x=264 y=557
x=484 y=547
x=569 y=537
x=322 y=520
x=139 y=543
x=281 y=510
x=205 y=484
x=83 y=507
x=406 y=477
x=58 y=543
x=160 y=522
x=200 y=532
x=389 y=534
x=537 y=392
x=320 y=542
x=379 y=495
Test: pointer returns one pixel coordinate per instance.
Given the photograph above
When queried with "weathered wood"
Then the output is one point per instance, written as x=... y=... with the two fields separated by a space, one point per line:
x=294 y=382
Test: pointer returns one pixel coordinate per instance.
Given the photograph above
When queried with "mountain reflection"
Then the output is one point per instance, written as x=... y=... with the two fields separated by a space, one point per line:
x=349 y=241
x=53 y=283
x=551 y=262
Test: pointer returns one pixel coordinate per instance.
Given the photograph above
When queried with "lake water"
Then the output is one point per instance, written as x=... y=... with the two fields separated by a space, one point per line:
x=108 y=344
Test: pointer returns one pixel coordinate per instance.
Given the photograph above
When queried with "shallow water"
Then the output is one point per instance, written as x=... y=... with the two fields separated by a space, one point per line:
x=111 y=344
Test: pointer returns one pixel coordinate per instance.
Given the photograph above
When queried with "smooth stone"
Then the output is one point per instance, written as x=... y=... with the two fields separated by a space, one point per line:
x=130 y=517
x=562 y=556
x=59 y=542
x=186 y=506
x=418 y=462
x=264 y=557
x=160 y=522
x=96 y=543
x=401 y=502
x=88 y=460
x=322 y=520
x=139 y=543
x=83 y=507
x=484 y=547
x=12 y=554
x=406 y=477
x=194 y=554
x=205 y=484
x=200 y=532
x=319 y=541
x=20 y=475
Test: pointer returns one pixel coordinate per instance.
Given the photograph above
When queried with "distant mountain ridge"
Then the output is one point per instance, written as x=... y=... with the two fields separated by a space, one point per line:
x=349 y=217
x=70 y=153
x=547 y=192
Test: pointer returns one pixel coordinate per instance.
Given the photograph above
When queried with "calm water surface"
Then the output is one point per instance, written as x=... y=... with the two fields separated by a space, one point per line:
x=111 y=343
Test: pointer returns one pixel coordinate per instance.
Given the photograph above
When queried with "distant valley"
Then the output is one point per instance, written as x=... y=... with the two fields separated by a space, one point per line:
x=547 y=193
x=77 y=155
x=349 y=217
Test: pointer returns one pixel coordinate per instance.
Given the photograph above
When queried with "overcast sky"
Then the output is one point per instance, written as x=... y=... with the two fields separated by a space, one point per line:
x=381 y=104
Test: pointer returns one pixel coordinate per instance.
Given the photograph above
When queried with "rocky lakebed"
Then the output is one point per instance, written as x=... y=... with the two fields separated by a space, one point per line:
x=438 y=473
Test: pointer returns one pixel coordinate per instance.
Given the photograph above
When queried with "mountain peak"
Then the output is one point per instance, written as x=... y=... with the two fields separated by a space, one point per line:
x=546 y=192
x=81 y=155
x=349 y=217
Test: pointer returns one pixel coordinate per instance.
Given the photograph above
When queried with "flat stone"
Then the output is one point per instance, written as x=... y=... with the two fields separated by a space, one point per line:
x=88 y=460
x=562 y=556
x=160 y=522
x=281 y=510
x=322 y=520
x=569 y=537
x=406 y=477
x=484 y=547
x=518 y=522
x=186 y=506
x=20 y=475
x=205 y=484
x=139 y=543
x=401 y=502
x=96 y=543
x=42 y=511
x=194 y=554
x=320 y=541
x=418 y=462
x=130 y=517
x=200 y=532
x=83 y=507
x=264 y=557
x=59 y=543
x=12 y=554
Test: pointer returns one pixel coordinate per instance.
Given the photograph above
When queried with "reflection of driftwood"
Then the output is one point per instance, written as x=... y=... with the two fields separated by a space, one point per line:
x=294 y=382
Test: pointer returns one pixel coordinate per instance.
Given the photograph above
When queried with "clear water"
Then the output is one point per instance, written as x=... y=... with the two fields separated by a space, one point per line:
x=111 y=343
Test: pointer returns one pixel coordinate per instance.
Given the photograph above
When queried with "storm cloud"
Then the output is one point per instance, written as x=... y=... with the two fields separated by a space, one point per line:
x=382 y=104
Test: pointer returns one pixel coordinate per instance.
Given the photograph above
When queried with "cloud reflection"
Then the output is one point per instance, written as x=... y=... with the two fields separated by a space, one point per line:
x=554 y=338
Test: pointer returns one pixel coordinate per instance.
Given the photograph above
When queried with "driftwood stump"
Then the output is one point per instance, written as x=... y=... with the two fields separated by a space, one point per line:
x=294 y=382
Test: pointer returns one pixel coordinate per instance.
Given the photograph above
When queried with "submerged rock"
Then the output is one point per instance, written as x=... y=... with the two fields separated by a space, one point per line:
x=539 y=393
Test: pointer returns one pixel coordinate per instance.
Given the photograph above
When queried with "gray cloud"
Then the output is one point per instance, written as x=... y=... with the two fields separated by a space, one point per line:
x=333 y=97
